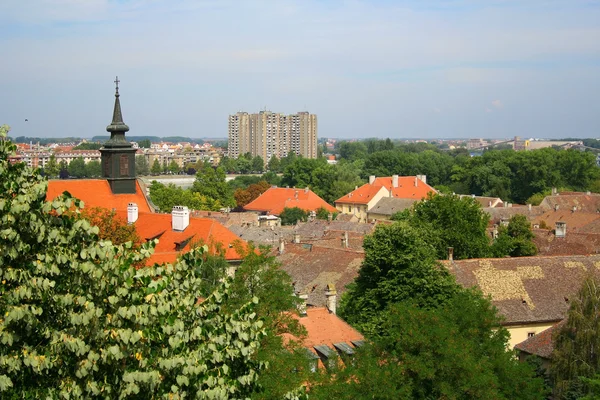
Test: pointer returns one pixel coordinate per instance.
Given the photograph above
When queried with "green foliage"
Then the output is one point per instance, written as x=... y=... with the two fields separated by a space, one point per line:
x=77 y=167
x=323 y=213
x=88 y=146
x=173 y=167
x=167 y=196
x=51 y=169
x=514 y=240
x=290 y=216
x=145 y=144
x=210 y=183
x=576 y=344
x=80 y=321
x=156 y=167
x=274 y=164
x=399 y=265
x=454 y=351
x=93 y=169
x=142 y=168
x=458 y=223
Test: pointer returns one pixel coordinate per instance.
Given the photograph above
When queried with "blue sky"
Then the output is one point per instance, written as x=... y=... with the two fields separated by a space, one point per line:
x=379 y=68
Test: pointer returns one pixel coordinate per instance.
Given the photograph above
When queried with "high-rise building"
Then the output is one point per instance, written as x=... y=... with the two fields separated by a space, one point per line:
x=269 y=134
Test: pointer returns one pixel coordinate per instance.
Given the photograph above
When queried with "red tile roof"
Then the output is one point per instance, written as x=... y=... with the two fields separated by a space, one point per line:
x=324 y=328
x=97 y=193
x=406 y=189
x=274 y=200
x=541 y=345
x=203 y=230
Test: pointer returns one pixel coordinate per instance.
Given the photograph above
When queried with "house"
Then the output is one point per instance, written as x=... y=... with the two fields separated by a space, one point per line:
x=362 y=199
x=275 y=199
x=312 y=267
x=121 y=191
x=531 y=293
x=485 y=201
x=540 y=345
x=327 y=335
x=178 y=232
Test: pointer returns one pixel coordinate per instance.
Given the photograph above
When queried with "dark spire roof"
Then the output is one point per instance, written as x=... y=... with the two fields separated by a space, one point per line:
x=117 y=127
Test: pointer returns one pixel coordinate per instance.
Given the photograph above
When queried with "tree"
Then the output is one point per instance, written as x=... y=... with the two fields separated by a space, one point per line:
x=274 y=164
x=80 y=321
x=258 y=164
x=323 y=213
x=110 y=226
x=77 y=168
x=174 y=167
x=245 y=196
x=93 y=169
x=167 y=196
x=88 y=146
x=156 y=167
x=291 y=216
x=514 y=240
x=142 y=167
x=459 y=223
x=577 y=344
x=210 y=182
x=144 y=144
x=399 y=265
x=454 y=351
x=63 y=169
x=51 y=168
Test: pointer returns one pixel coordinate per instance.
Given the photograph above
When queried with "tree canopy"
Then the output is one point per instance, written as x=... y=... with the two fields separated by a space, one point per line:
x=80 y=321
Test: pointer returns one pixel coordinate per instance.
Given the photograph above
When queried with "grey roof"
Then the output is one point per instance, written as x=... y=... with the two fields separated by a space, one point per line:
x=391 y=205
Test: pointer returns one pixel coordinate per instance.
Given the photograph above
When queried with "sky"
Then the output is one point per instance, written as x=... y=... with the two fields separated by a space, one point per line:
x=373 y=68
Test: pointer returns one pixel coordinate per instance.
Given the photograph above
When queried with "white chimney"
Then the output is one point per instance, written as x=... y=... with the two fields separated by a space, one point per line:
x=306 y=189
x=132 y=213
x=180 y=218
x=490 y=203
x=556 y=207
x=395 y=181
x=302 y=306
x=560 y=230
x=345 y=242
x=416 y=181
x=422 y=178
x=529 y=206
x=450 y=253
x=296 y=238
x=329 y=217
x=574 y=208
x=371 y=179
x=331 y=295
x=281 y=245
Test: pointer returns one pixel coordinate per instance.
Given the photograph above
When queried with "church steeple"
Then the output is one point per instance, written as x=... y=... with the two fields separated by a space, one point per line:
x=118 y=155
x=117 y=127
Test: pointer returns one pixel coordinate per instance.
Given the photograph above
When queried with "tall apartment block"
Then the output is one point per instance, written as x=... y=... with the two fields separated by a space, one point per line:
x=269 y=134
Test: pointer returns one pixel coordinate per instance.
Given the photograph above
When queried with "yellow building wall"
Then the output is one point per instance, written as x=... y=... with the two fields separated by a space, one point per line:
x=360 y=210
x=520 y=333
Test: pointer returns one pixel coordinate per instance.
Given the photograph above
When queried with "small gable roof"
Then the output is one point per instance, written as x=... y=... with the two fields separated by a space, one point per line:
x=541 y=344
x=97 y=193
x=325 y=328
x=274 y=200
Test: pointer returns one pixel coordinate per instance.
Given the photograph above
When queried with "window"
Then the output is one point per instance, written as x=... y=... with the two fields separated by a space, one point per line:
x=530 y=334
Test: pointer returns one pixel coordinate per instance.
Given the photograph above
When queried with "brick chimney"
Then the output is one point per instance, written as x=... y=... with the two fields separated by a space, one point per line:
x=180 y=218
x=331 y=295
x=132 y=213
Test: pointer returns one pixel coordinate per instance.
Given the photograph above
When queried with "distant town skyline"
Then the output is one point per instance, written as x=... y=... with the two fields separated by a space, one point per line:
x=382 y=68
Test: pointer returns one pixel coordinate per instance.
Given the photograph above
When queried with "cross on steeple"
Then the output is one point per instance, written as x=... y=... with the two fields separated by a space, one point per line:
x=117 y=83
